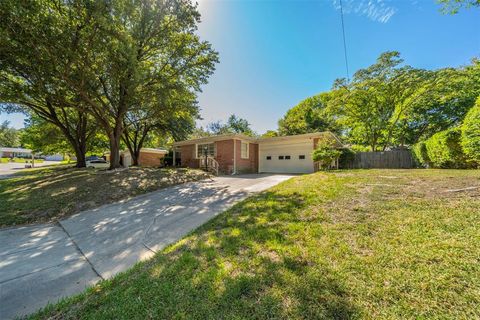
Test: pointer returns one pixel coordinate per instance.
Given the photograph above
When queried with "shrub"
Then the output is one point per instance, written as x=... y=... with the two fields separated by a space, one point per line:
x=360 y=148
x=347 y=156
x=470 y=139
x=444 y=149
x=421 y=155
x=325 y=154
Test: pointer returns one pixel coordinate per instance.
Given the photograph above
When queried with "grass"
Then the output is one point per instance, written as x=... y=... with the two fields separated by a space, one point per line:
x=366 y=244
x=47 y=194
x=19 y=160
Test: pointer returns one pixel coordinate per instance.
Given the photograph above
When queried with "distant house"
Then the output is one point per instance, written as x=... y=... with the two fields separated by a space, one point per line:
x=237 y=153
x=54 y=157
x=149 y=157
x=15 y=153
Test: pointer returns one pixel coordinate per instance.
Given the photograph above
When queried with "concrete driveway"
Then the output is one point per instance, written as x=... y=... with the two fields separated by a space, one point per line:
x=43 y=263
x=8 y=169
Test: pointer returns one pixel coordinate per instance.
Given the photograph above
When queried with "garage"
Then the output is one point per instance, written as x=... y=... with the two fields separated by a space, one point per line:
x=286 y=155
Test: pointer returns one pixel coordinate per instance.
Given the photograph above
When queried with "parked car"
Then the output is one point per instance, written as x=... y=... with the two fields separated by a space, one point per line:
x=97 y=164
x=92 y=158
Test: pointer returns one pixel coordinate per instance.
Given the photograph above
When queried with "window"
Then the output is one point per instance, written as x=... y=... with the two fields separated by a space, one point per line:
x=205 y=149
x=287 y=157
x=269 y=157
x=244 y=150
x=301 y=157
x=280 y=157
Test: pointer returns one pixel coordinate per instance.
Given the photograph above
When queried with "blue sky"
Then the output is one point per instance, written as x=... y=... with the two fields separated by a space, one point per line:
x=275 y=53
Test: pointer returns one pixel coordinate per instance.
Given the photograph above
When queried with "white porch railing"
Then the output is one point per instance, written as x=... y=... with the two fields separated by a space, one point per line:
x=211 y=165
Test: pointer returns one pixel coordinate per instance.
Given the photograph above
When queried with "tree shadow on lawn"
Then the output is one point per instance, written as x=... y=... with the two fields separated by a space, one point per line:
x=45 y=194
x=246 y=263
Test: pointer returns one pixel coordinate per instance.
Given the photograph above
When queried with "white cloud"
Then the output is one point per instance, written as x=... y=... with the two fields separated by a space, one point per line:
x=376 y=10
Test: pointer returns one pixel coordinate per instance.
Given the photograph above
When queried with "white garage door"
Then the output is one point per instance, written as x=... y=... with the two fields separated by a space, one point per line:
x=286 y=157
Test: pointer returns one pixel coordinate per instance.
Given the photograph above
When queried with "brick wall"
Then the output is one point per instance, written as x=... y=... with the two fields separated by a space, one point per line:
x=224 y=156
x=150 y=159
x=249 y=165
x=187 y=156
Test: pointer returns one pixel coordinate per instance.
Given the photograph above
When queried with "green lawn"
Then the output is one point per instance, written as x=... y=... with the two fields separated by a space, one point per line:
x=46 y=194
x=370 y=244
x=19 y=160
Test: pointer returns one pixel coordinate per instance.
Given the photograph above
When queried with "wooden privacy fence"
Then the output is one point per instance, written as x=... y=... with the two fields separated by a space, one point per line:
x=394 y=159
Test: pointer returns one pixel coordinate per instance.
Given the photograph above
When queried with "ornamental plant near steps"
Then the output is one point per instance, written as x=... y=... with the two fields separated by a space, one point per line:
x=470 y=138
x=444 y=149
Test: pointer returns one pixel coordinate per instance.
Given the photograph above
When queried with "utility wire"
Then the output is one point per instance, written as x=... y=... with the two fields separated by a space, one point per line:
x=344 y=41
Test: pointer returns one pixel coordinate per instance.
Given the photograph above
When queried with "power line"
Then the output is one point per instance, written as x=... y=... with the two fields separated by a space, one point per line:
x=344 y=41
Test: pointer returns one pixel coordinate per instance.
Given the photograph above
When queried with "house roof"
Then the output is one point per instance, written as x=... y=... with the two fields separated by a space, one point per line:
x=154 y=150
x=259 y=140
x=219 y=137
x=18 y=150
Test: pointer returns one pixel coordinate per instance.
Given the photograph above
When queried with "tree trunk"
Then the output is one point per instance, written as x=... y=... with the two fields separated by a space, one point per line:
x=134 y=152
x=115 y=136
x=114 y=152
x=135 y=155
x=80 y=155
x=135 y=143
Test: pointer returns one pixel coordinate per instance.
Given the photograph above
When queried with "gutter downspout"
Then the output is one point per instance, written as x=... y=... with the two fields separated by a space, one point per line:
x=234 y=157
x=173 y=162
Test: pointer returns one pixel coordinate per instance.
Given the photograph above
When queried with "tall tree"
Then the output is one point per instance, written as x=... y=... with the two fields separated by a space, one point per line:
x=110 y=52
x=9 y=136
x=234 y=124
x=373 y=104
x=441 y=102
x=42 y=136
x=29 y=81
x=310 y=115
x=172 y=116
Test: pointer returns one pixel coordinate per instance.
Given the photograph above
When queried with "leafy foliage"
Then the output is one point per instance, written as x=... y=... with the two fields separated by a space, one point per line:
x=310 y=115
x=325 y=154
x=42 y=136
x=453 y=6
x=270 y=134
x=9 y=137
x=346 y=157
x=421 y=155
x=373 y=105
x=112 y=60
x=389 y=104
x=234 y=124
x=471 y=134
x=444 y=149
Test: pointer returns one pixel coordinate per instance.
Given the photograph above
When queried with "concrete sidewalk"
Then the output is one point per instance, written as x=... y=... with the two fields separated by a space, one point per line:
x=43 y=263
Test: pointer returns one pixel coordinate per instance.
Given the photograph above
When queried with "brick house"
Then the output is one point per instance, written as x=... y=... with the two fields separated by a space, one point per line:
x=237 y=153
x=149 y=157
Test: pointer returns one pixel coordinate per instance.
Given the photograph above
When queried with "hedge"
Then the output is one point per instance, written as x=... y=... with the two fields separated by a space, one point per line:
x=421 y=155
x=444 y=149
x=346 y=159
x=470 y=138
